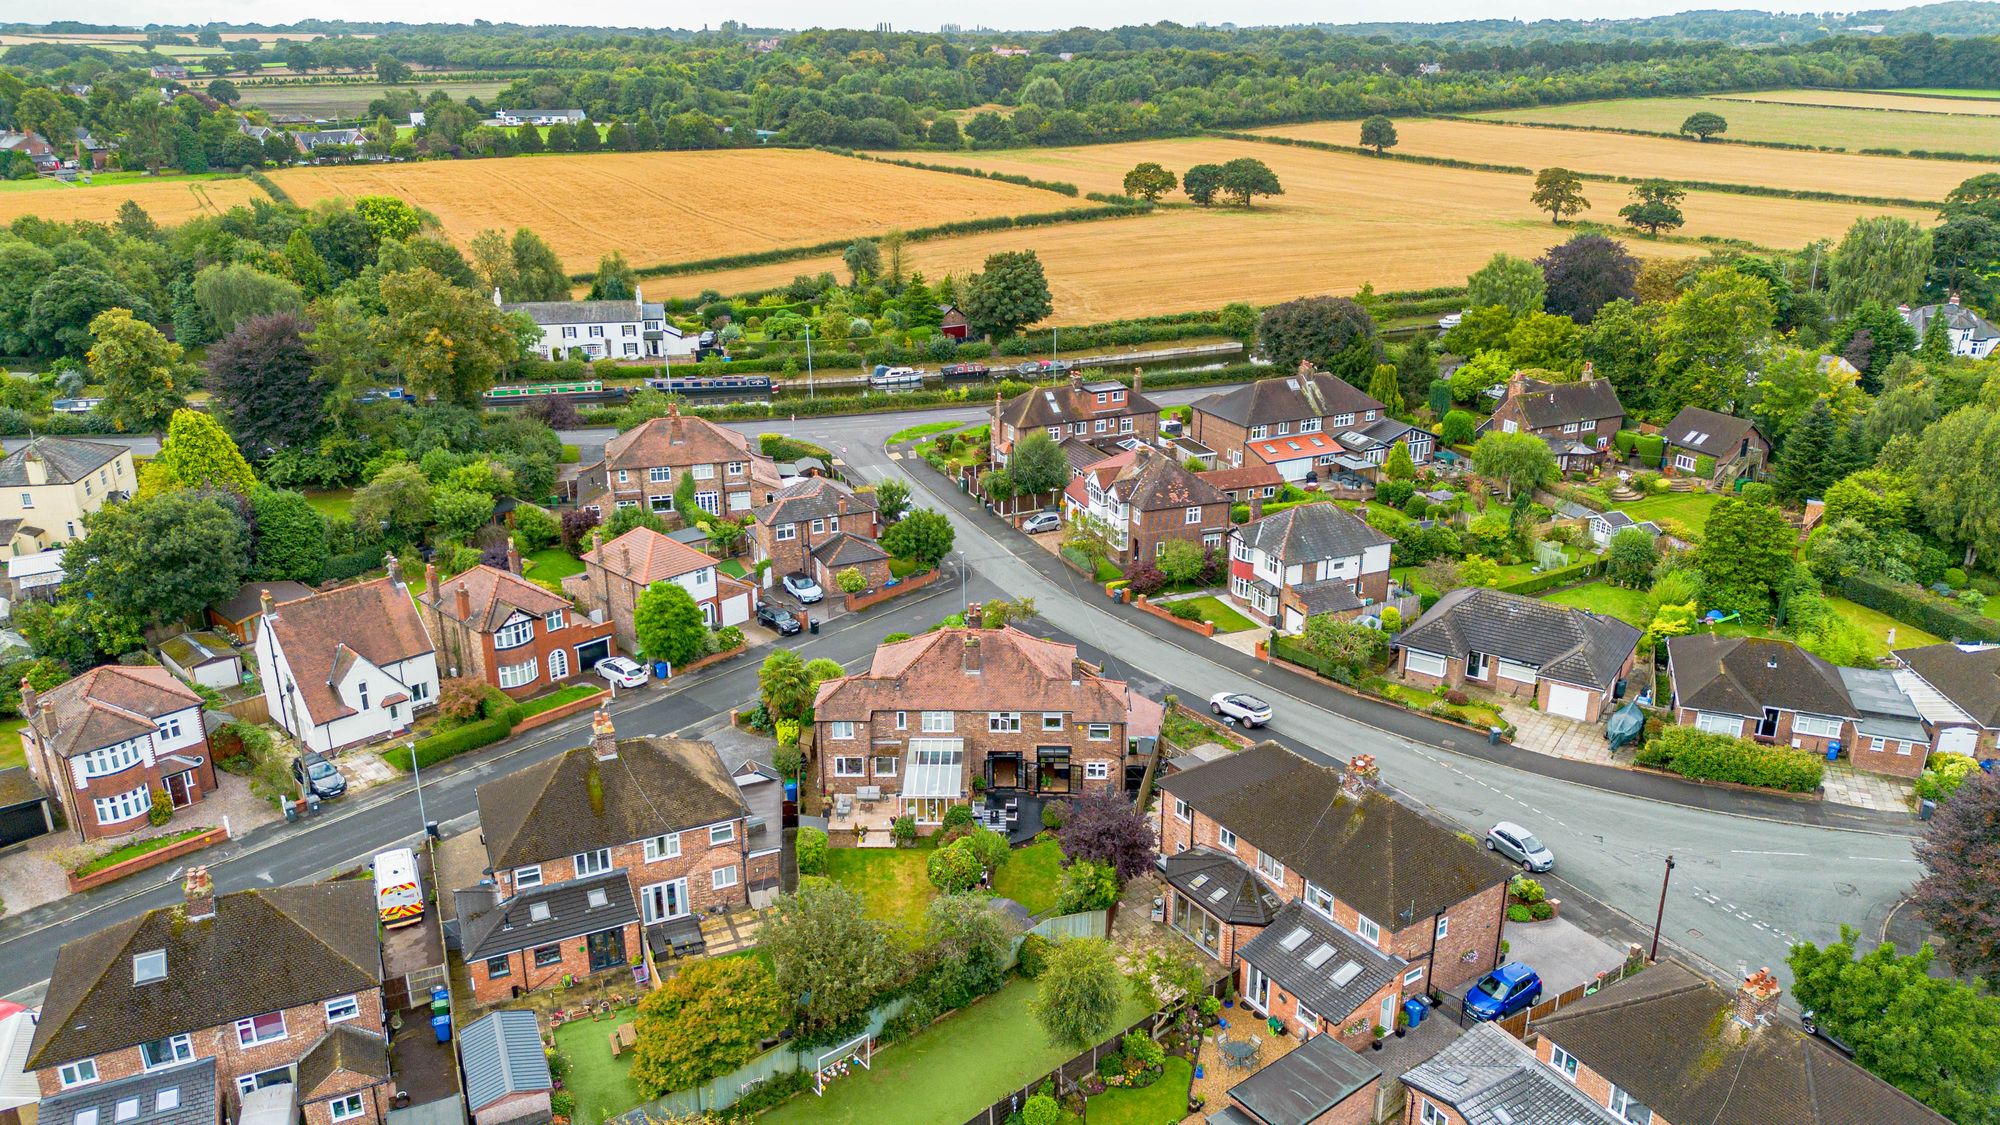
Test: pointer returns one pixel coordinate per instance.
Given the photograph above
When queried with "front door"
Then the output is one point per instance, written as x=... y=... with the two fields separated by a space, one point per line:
x=607 y=950
x=662 y=901
x=1052 y=769
x=1257 y=989
x=180 y=789
x=1767 y=727
x=1476 y=664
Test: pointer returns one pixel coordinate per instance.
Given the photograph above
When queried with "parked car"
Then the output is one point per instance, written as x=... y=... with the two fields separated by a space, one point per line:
x=1042 y=521
x=777 y=617
x=318 y=776
x=1520 y=845
x=1236 y=707
x=1809 y=1019
x=1511 y=988
x=620 y=672
x=802 y=587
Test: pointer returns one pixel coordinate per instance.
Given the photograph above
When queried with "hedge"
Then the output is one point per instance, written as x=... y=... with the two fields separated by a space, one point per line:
x=1912 y=605
x=1550 y=579
x=1704 y=465
x=1291 y=652
x=1625 y=441
x=1060 y=187
x=450 y=744
x=1572 y=493
x=1652 y=448
x=1702 y=756
x=340 y=568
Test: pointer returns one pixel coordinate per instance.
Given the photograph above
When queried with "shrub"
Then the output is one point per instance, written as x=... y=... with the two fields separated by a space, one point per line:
x=1541 y=911
x=1650 y=447
x=1041 y=1110
x=162 y=810
x=1519 y=913
x=1943 y=774
x=788 y=759
x=1524 y=889
x=1055 y=814
x=728 y=637
x=811 y=848
x=1703 y=756
x=953 y=868
x=903 y=830
x=1144 y=579
x=1185 y=610
x=1140 y=1048
x=1954 y=577
x=1034 y=955
x=957 y=815
x=1111 y=1066
x=562 y=1105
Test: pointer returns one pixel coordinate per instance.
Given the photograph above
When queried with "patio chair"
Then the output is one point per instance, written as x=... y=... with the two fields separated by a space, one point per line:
x=843 y=805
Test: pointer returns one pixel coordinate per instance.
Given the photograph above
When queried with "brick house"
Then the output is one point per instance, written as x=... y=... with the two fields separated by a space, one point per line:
x=1097 y=411
x=1317 y=1083
x=645 y=464
x=1774 y=692
x=1732 y=445
x=952 y=322
x=1303 y=403
x=1670 y=1047
x=348 y=666
x=1571 y=660
x=935 y=711
x=1246 y=484
x=818 y=526
x=1319 y=857
x=657 y=825
x=496 y=626
x=238 y=992
x=1306 y=561
x=616 y=573
x=108 y=743
x=1578 y=419
x=1488 y=1077
x=1957 y=690
x=1144 y=500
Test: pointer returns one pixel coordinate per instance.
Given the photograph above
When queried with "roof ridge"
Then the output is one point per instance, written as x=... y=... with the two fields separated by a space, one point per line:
x=265 y=896
x=1621 y=1002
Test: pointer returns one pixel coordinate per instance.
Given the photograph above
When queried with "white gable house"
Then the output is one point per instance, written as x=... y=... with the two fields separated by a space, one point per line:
x=348 y=666
x=635 y=329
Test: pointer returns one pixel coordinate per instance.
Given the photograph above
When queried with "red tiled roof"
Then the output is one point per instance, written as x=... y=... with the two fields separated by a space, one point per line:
x=1253 y=475
x=322 y=635
x=493 y=595
x=1016 y=672
x=645 y=556
x=677 y=440
x=108 y=705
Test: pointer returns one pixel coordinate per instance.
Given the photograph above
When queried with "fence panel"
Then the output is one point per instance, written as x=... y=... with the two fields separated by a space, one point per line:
x=1088 y=924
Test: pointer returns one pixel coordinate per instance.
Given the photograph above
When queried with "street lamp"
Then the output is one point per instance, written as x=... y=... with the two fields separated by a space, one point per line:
x=417 y=772
x=1665 y=878
x=961 y=578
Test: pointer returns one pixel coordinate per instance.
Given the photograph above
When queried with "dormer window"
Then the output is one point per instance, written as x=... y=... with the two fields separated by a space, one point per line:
x=149 y=966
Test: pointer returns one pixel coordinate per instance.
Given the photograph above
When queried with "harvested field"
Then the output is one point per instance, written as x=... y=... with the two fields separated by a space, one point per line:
x=1944 y=92
x=1619 y=154
x=168 y=201
x=663 y=207
x=1825 y=126
x=1872 y=99
x=336 y=99
x=1342 y=221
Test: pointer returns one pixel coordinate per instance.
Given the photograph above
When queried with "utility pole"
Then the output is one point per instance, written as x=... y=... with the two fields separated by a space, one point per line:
x=810 y=393
x=1665 y=878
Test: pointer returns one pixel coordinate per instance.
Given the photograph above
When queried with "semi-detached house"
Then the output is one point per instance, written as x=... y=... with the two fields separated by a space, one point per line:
x=1144 y=499
x=348 y=666
x=1337 y=426
x=105 y=743
x=1578 y=420
x=497 y=627
x=616 y=573
x=1307 y=561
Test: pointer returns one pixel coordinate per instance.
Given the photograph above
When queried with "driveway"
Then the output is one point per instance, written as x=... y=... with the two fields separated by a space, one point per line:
x=1561 y=951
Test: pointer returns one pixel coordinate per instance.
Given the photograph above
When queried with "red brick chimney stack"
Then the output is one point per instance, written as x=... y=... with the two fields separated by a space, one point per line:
x=1359 y=777
x=462 y=602
x=200 y=892
x=27 y=697
x=603 y=736
x=972 y=664
x=431 y=585
x=1756 y=999
x=513 y=558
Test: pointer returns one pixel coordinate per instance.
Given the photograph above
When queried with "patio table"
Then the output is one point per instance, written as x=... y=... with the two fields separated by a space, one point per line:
x=1240 y=1051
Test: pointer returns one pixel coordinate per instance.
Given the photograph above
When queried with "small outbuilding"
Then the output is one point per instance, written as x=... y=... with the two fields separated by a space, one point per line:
x=204 y=659
x=506 y=1070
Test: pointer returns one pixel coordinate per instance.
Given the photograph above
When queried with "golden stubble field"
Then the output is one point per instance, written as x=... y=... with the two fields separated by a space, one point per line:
x=1343 y=220
x=1869 y=99
x=674 y=206
x=167 y=201
x=1619 y=154
x=1827 y=126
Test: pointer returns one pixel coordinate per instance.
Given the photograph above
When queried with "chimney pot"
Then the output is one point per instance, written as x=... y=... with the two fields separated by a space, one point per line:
x=513 y=558
x=264 y=601
x=1756 y=999
x=200 y=892
x=603 y=736
x=1359 y=777
x=1138 y=379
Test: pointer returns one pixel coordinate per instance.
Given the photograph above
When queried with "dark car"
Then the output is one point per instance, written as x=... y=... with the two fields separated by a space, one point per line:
x=778 y=617
x=1508 y=989
x=319 y=775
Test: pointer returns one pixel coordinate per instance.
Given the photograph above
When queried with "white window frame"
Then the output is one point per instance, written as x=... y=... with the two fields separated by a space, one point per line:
x=248 y=1027
x=723 y=833
x=1621 y=1102
x=515 y=633
x=660 y=474
x=1423 y=663
x=1413 y=976
x=667 y=846
x=346 y=1108
x=530 y=876
x=1563 y=1062
x=1318 y=899
x=938 y=722
x=1182 y=812
x=1431 y=1114
x=902 y=720
x=82 y=1072
x=245 y=1083
x=850 y=765
x=129 y=805
x=885 y=765
x=1270 y=868
x=1098 y=732
x=1191 y=516
x=1365 y=927
x=594 y=862
x=1052 y=720
x=1309 y=425
x=1224 y=838
x=522 y=674
x=722 y=878
x=552 y=620
x=107 y=760
x=1003 y=722
x=1444 y=926
x=1813 y=726
x=1096 y=771
x=786 y=532
x=180 y=1049
x=840 y=728
x=703 y=471
x=342 y=1008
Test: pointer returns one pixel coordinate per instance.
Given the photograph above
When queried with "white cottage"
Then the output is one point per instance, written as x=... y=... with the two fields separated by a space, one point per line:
x=348 y=666
x=634 y=329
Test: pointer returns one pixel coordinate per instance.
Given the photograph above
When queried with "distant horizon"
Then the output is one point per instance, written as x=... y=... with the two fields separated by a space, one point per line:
x=1034 y=16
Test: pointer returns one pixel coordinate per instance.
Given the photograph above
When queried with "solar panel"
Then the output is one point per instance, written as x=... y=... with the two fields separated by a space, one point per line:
x=1319 y=956
x=1294 y=939
x=1345 y=973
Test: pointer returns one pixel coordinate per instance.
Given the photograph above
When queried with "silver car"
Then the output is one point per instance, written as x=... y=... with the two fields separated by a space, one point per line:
x=1042 y=521
x=1520 y=845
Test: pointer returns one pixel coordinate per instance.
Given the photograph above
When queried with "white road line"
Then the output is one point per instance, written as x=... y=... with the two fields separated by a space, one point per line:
x=1745 y=851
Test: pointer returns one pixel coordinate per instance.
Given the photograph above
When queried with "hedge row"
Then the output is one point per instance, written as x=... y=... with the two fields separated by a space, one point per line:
x=1703 y=756
x=438 y=747
x=340 y=568
x=270 y=187
x=1913 y=605
x=1550 y=579
x=1060 y=187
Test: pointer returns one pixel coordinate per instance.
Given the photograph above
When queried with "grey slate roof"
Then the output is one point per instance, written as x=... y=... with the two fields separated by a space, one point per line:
x=502 y=1054
x=588 y=312
x=1967 y=675
x=1553 y=404
x=345 y=1048
x=1333 y=971
x=844 y=549
x=1329 y=595
x=1886 y=712
x=1374 y=854
x=1311 y=532
x=1318 y=1075
x=1490 y=1078
x=493 y=928
x=1220 y=884
x=1744 y=675
x=67 y=460
x=1287 y=398
x=190 y=1089
x=1571 y=645
x=1705 y=431
x=810 y=498
x=1958 y=318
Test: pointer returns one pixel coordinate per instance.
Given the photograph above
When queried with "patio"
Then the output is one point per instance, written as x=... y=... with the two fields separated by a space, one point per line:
x=866 y=822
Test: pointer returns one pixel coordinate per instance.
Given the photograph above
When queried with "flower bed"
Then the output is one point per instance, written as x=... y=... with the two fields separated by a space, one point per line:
x=1205 y=628
x=141 y=854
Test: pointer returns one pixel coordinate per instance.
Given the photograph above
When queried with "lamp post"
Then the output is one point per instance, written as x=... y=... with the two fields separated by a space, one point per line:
x=1665 y=878
x=961 y=577
x=417 y=772
x=810 y=393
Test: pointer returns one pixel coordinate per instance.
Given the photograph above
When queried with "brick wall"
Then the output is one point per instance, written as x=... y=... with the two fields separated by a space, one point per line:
x=376 y=1096
x=523 y=973
x=880 y=738
x=1219 y=434
x=57 y=774
x=1413 y=1110
x=1357 y=1108
x=1284 y=1007
x=1593 y=1084
x=1160 y=525
x=697 y=863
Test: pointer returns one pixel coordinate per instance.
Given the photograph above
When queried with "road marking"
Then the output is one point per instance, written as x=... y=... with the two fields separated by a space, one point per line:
x=1745 y=851
x=1881 y=859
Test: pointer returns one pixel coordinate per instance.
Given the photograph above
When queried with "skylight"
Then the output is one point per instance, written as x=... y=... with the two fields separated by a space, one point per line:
x=597 y=898
x=1319 y=956
x=1294 y=939
x=538 y=912
x=1198 y=881
x=1346 y=973
x=149 y=966
x=1218 y=894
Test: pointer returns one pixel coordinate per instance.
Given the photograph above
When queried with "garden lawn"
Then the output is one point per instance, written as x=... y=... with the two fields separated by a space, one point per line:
x=552 y=564
x=337 y=502
x=1877 y=625
x=1690 y=508
x=730 y=567
x=1224 y=616
x=948 y=1072
x=893 y=883
x=11 y=752
x=1165 y=1100
x=1602 y=597
x=1029 y=876
x=922 y=429
x=602 y=1085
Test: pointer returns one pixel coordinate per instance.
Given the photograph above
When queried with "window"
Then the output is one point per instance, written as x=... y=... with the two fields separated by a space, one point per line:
x=1366 y=927
x=628 y=330
x=1100 y=732
x=515 y=633
x=548 y=955
x=787 y=532
x=593 y=863
x=127 y=1109
x=111 y=759
x=79 y=1073
x=553 y=621
x=1225 y=839
x=736 y=468
x=1444 y=927
x=1629 y=1107
x=528 y=876
x=169 y=1098
x=1182 y=813
x=1284 y=428
x=1510 y=427
x=1812 y=725
x=1096 y=771
x=902 y=720
x=558 y=669
x=497 y=967
x=1309 y=426
x=420 y=691
x=260 y=1029
x=703 y=472
x=1101 y=425
x=125 y=806
x=721 y=833
x=847 y=766
x=343 y=1009
x=518 y=675
x=347 y=1108
x=275 y=1077
x=1319 y=899
x=723 y=877
x=1563 y=1061
x=885 y=765
x=27 y=499
x=819 y=526
x=842 y=729
x=1413 y=976
x=1684 y=462
x=1100 y=398
x=362 y=691
x=1052 y=720
x=1432 y=1115
x=1569 y=427
x=937 y=722
x=1124 y=425
x=569 y=333
x=663 y=847
x=1003 y=722
x=597 y=331
x=1269 y=867
x=1425 y=663
x=171 y=1051
x=1259 y=431
x=170 y=727
x=1340 y=420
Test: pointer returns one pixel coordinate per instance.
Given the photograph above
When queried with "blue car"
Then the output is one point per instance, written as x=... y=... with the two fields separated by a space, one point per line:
x=1502 y=992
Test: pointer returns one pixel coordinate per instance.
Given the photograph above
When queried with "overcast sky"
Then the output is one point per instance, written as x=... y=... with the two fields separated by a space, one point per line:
x=915 y=15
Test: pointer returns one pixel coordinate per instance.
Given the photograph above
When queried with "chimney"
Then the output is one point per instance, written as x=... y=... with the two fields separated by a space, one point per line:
x=674 y=424
x=431 y=585
x=38 y=471
x=1953 y=299
x=1904 y=308
x=200 y=892
x=603 y=738
x=639 y=301
x=513 y=558
x=461 y=602
x=1359 y=776
x=1756 y=1000
x=395 y=570
x=1516 y=383
x=1589 y=371
x=1305 y=367
x=1256 y=501
x=971 y=655
x=839 y=502
x=28 y=694
x=1138 y=379
x=1075 y=380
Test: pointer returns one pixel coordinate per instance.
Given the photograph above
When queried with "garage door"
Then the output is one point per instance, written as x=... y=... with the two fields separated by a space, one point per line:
x=1958 y=740
x=589 y=653
x=1569 y=702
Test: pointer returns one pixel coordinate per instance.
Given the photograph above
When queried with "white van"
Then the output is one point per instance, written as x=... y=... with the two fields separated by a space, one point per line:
x=399 y=896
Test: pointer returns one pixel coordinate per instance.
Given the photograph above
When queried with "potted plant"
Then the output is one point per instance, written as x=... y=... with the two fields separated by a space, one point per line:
x=1402 y=1023
x=1381 y=1033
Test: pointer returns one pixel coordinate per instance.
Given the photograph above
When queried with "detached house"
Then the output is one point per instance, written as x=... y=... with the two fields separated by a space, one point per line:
x=645 y=465
x=1572 y=661
x=817 y=526
x=1144 y=500
x=104 y=743
x=610 y=845
x=1957 y=689
x=202 y=1003
x=1099 y=411
x=347 y=666
x=51 y=483
x=634 y=329
x=1355 y=430
x=616 y=573
x=936 y=711
x=1578 y=420
x=1329 y=900
x=1722 y=442
x=1305 y=561
x=1971 y=335
x=496 y=626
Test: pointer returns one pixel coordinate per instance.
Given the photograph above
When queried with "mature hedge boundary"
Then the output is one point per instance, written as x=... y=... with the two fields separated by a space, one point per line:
x=1914 y=154
x=1550 y=579
x=450 y=744
x=1060 y=187
x=270 y=187
x=1701 y=756
x=1913 y=605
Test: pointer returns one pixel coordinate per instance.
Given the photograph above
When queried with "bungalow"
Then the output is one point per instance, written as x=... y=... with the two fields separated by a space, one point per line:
x=1957 y=689
x=104 y=743
x=1572 y=661
x=1757 y=687
x=1305 y=561
x=348 y=666
x=1730 y=445
x=632 y=329
x=1578 y=420
x=1145 y=500
x=1970 y=334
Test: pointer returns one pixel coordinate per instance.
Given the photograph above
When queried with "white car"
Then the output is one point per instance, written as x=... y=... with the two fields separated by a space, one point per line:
x=1042 y=521
x=802 y=587
x=620 y=672
x=1236 y=707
